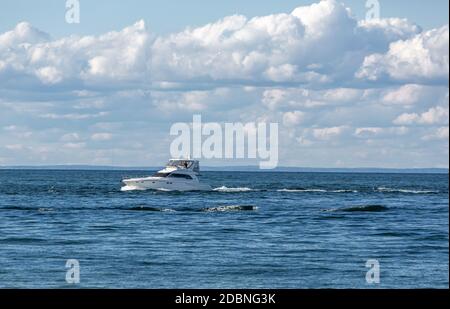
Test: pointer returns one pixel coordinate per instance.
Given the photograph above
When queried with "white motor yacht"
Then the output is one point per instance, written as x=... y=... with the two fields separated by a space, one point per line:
x=178 y=175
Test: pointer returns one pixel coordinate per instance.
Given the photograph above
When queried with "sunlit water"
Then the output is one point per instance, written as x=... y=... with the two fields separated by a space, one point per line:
x=254 y=230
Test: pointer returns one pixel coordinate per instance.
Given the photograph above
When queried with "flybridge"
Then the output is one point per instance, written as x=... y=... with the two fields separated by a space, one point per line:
x=230 y=141
x=193 y=165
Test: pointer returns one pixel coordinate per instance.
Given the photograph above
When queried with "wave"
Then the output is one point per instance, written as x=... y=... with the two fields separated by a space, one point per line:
x=143 y=208
x=301 y=190
x=394 y=190
x=230 y=208
x=165 y=190
x=317 y=190
x=238 y=189
x=39 y=209
x=219 y=189
x=364 y=208
x=149 y=208
x=131 y=188
x=21 y=240
x=226 y=189
x=344 y=191
x=191 y=209
x=379 y=189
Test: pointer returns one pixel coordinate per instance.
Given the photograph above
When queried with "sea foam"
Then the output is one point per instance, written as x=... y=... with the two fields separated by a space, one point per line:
x=238 y=189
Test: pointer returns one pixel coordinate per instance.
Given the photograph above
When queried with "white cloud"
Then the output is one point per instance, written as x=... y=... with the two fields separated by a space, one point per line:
x=49 y=75
x=423 y=58
x=74 y=145
x=434 y=116
x=70 y=137
x=405 y=95
x=98 y=137
x=406 y=119
x=190 y=101
x=328 y=133
x=14 y=147
x=377 y=132
x=342 y=95
x=292 y=98
x=113 y=58
x=438 y=134
x=12 y=128
x=365 y=132
x=23 y=33
x=292 y=119
x=233 y=48
x=319 y=44
x=73 y=116
x=379 y=32
x=281 y=73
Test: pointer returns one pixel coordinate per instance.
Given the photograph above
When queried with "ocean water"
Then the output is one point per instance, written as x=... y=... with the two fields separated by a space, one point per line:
x=255 y=230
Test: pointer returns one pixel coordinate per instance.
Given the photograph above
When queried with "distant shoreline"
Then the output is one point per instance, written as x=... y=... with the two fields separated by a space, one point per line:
x=237 y=169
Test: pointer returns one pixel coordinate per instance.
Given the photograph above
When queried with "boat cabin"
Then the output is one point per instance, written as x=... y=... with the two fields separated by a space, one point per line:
x=192 y=165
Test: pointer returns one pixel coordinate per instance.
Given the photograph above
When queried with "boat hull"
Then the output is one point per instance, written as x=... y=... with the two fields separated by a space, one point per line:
x=164 y=185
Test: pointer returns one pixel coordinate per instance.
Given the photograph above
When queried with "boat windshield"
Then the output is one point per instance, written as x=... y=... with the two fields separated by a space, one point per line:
x=180 y=163
x=162 y=175
x=182 y=176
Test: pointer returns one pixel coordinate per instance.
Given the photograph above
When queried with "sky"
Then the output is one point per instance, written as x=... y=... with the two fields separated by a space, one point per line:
x=346 y=91
x=163 y=17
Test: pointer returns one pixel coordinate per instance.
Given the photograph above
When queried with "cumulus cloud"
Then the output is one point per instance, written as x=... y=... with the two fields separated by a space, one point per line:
x=292 y=98
x=434 y=116
x=73 y=116
x=22 y=34
x=14 y=147
x=439 y=134
x=70 y=137
x=291 y=119
x=74 y=145
x=377 y=132
x=364 y=132
x=405 y=95
x=327 y=133
x=423 y=58
x=101 y=137
x=320 y=44
x=115 y=57
x=233 y=48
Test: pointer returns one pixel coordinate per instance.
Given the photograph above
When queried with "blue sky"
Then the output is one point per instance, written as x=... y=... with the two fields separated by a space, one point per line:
x=345 y=91
x=100 y=16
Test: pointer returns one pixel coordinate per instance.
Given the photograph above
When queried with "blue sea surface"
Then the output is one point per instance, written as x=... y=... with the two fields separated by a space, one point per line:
x=255 y=230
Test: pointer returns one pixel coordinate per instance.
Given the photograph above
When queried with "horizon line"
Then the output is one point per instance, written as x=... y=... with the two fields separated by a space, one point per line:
x=205 y=167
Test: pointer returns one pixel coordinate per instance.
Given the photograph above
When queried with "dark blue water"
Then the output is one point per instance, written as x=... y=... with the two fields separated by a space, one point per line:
x=257 y=230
